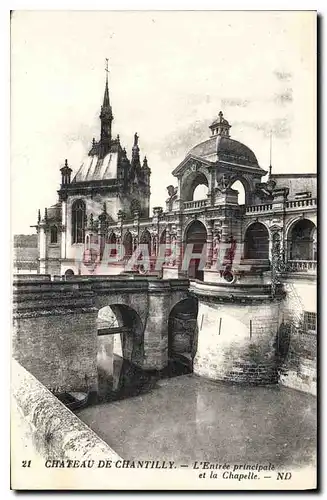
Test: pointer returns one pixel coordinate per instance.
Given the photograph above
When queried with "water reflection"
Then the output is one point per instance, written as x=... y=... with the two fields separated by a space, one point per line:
x=186 y=418
x=118 y=378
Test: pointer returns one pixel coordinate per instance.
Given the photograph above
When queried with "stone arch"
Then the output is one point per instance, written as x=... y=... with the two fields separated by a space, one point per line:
x=129 y=319
x=301 y=240
x=112 y=238
x=69 y=272
x=247 y=187
x=163 y=236
x=256 y=242
x=195 y=233
x=191 y=181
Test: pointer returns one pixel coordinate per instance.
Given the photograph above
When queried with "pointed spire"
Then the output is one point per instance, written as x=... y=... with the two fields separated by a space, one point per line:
x=136 y=150
x=106 y=100
x=106 y=117
x=38 y=216
x=45 y=215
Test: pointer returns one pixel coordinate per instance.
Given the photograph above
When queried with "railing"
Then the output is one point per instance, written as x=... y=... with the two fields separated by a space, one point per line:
x=195 y=204
x=258 y=208
x=302 y=265
x=306 y=202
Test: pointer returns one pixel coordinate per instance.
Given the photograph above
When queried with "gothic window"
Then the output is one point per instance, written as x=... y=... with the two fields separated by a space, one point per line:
x=78 y=221
x=53 y=234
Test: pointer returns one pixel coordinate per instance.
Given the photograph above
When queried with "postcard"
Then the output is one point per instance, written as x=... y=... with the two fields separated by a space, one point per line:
x=164 y=226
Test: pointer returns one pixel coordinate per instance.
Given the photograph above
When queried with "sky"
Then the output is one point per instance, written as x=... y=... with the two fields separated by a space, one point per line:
x=170 y=75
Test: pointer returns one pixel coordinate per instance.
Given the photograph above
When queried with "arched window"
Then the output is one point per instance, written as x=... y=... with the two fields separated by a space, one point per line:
x=69 y=272
x=78 y=221
x=238 y=186
x=146 y=240
x=53 y=234
x=256 y=242
x=302 y=241
x=128 y=244
x=194 y=187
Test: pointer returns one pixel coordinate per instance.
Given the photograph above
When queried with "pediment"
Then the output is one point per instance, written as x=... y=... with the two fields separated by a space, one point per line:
x=191 y=163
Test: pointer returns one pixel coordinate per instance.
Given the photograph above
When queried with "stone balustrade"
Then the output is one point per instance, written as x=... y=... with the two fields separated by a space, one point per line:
x=292 y=204
x=302 y=265
x=306 y=202
x=195 y=204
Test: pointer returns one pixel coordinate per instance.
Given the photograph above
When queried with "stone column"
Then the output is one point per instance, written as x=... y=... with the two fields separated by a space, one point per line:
x=42 y=249
x=209 y=245
x=179 y=247
x=156 y=329
x=168 y=241
x=63 y=229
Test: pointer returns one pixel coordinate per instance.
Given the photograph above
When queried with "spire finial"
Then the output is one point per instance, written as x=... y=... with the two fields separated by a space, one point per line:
x=136 y=139
x=107 y=69
x=270 y=154
x=39 y=216
x=66 y=163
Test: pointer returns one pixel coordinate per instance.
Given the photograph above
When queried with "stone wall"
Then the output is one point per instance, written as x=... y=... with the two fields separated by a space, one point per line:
x=55 y=334
x=43 y=428
x=300 y=367
x=59 y=350
x=237 y=341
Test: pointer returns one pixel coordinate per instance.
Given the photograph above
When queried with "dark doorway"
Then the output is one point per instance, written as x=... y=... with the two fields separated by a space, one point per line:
x=182 y=332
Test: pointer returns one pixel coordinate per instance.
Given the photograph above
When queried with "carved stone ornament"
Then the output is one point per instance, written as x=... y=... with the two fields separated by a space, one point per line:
x=223 y=182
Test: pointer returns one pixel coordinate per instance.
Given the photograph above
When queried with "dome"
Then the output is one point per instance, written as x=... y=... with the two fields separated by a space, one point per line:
x=225 y=149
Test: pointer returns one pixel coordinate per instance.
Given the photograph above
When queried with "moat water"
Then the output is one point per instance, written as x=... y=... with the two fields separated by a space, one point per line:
x=186 y=418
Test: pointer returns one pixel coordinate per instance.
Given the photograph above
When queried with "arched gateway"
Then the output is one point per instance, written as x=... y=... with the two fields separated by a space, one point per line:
x=195 y=241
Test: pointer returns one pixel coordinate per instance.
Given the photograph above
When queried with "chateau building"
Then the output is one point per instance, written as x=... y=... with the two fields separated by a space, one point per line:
x=272 y=232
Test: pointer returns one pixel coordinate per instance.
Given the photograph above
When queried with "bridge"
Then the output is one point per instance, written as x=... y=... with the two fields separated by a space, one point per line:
x=56 y=324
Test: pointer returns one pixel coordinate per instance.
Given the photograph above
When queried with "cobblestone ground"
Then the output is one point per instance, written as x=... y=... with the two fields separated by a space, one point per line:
x=187 y=418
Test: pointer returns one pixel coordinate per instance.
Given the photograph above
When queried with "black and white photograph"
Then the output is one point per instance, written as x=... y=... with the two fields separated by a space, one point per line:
x=164 y=250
